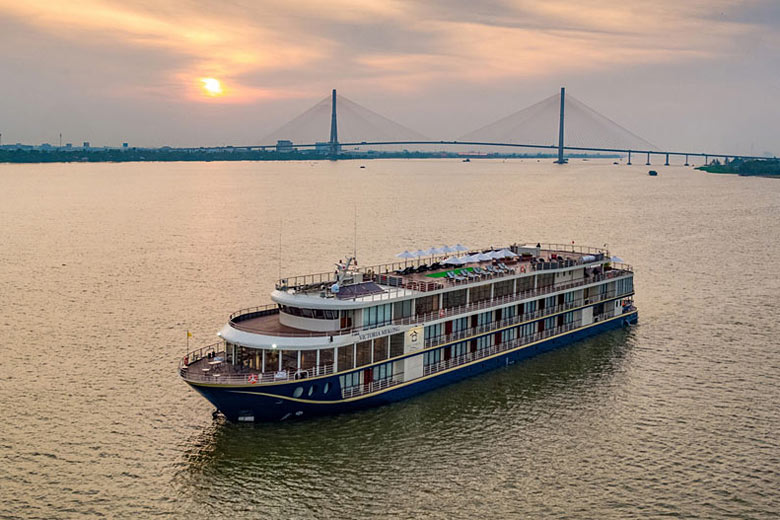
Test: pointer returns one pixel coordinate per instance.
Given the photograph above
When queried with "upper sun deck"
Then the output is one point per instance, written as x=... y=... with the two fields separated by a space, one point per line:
x=397 y=280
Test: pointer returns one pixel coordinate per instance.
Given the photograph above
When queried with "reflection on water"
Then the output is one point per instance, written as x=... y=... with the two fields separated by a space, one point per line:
x=103 y=268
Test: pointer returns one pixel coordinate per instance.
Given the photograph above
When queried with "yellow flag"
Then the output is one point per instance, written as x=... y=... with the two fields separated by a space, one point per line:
x=189 y=334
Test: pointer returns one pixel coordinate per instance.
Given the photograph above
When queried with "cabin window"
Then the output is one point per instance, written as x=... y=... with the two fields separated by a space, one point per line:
x=290 y=360
x=509 y=312
x=381 y=372
x=454 y=299
x=402 y=309
x=363 y=353
x=376 y=315
x=397 y=344
x=503 y=288
x=484 y=318
x=432 y=357
x=380 y=349
x=478 y=294
x=525 y=283
x=271 y=360
x=433 y=331
x=460 y=324
x=508 y=335
x=427 y=304
x=308 y=359
x=347 y=357
x=326 y=356
x=351 y=380
x=569 y=297
x=485 y=341
x=460 y=349
x=549 y=323
x=549 y=302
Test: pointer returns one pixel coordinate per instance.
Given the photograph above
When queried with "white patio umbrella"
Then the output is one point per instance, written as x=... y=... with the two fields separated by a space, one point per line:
x=508 y=253
x=483 y=257
x=420 y=253
x=447 y=249
x=617 y=259
x=459 y=247
x=453 y=260
x=496 y=255
x=406 y=255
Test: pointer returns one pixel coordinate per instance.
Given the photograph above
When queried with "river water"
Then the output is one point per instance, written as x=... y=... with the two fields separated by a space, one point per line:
x=104 y=267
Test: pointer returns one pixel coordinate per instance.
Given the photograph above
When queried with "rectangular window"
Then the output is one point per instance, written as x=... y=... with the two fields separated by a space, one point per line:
x=484 y=318
x=478 y=294
x=380 y=349
x=381 y=372
x=351 y=380
x=346 y=357
x=377 y=315
x=569 y=297
x=290 y=360
x=432 y=357
x=363 y=353
x=308 y=359
x=326 y=356
x=460 y=349
x=433 y=331
x=530 y=306
x=549 y=302
x=509 y=312
x=549 y=323
x=427 y=304
x=396 y=344
x=460 y=324
x=271 y=360
x=525 y=283
x=402 y=309
x=503 y=288
x=454 y=299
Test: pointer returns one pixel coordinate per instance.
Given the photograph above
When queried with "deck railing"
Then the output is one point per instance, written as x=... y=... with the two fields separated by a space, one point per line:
x=224 y=372
x=373 y=386
x=621 y=270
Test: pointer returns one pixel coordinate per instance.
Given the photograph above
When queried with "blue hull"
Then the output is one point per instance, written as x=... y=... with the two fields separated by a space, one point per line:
x=277 y=402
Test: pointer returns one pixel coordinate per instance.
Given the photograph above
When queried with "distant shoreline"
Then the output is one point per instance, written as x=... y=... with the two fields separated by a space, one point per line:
x=745 y=168
x=26 y=156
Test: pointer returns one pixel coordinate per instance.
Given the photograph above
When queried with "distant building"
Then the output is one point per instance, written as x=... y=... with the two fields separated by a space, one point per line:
x=124 y=145
x=284 y=146
x=68 y=146
x=86 y=145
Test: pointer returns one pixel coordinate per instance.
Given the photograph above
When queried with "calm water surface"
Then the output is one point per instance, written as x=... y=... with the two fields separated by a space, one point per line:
x=103 y=267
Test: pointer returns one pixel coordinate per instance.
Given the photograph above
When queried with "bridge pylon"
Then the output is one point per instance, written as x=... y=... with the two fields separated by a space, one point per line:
x=334 y=128
x=561 y=159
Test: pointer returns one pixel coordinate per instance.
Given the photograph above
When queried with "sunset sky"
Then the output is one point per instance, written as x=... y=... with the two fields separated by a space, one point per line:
x=691 y=74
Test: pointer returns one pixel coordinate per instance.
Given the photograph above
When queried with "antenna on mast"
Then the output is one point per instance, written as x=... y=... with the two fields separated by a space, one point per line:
x=280 y=248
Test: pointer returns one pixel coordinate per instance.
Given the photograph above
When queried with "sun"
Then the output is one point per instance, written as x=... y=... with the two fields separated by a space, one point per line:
x=212 y=86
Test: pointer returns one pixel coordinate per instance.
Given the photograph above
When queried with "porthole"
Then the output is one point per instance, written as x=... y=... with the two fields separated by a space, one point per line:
x=326 y=389
x=298 y=392
x=312 y=390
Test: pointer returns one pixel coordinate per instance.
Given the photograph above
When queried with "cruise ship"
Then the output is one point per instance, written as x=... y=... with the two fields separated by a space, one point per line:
x=357 y=337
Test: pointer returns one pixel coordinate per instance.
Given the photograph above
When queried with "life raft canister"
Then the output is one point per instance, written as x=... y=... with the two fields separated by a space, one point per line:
x=252 y=378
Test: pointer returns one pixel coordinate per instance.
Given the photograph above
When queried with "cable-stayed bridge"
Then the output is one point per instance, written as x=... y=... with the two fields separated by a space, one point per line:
x=560 y=123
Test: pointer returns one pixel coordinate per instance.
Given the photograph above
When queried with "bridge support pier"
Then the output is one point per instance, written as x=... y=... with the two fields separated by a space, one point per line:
x=629 y=157
x=686 y=159
x=667 y=160
x=648 y=159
